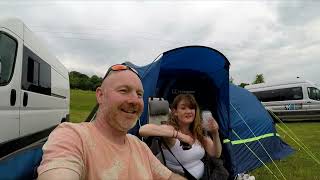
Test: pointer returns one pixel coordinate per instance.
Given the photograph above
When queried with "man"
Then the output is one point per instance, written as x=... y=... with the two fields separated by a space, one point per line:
x=102 y=149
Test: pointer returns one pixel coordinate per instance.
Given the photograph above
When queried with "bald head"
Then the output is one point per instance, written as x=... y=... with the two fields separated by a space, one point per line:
x=120 y=99
x=114 y=76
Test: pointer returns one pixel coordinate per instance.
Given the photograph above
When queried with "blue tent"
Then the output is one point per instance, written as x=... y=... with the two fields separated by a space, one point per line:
x=248 y=132
x=199 y=70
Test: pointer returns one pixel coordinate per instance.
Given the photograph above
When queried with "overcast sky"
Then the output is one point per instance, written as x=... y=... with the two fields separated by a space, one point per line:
x=280 y=39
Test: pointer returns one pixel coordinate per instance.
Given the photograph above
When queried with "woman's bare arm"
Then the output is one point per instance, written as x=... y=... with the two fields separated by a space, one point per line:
x=213 y=146
x=165 y=131
x=168 y=132
x=157 y=130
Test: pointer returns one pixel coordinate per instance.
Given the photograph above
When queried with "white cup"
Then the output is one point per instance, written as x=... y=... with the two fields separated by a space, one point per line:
x=206 y=115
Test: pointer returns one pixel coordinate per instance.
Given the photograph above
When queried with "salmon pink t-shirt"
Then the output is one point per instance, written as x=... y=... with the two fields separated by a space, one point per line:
x=84 y=149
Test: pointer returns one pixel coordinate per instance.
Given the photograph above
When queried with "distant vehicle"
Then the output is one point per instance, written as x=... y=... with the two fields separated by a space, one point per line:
x=291 y=101
x=34 y=85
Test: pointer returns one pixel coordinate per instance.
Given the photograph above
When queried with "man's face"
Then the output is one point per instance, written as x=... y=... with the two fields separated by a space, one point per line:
x=120 y=99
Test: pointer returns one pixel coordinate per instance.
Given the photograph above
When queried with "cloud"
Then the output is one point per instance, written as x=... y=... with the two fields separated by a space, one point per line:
x=297 y=13
x=273 y=38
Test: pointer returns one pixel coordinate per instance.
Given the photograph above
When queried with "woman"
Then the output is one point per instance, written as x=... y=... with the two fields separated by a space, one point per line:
x=184 y=125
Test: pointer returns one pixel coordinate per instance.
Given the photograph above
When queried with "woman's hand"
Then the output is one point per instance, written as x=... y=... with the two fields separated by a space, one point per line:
x=213 y=126
x=185 y=138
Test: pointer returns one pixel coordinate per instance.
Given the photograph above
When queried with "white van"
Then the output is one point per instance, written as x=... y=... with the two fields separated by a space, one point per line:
x=291 y=101
x=34 y=85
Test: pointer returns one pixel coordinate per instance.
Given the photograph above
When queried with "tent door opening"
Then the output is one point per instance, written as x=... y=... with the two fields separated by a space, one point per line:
x=198 y=84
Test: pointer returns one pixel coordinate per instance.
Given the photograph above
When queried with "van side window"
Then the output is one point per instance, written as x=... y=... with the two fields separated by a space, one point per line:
x=8 y=50
x=314 y=93
x=33 y=72
x=294 y=93
x=36 y=73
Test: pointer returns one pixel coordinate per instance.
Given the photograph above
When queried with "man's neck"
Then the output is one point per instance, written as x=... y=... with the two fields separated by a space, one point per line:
x=113 y=135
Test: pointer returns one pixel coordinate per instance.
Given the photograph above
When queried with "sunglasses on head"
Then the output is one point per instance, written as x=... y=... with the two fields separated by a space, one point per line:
x=121 y=67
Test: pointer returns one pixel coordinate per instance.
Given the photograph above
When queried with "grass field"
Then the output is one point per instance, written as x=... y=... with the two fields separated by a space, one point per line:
x=299 y=166
x=81 y=104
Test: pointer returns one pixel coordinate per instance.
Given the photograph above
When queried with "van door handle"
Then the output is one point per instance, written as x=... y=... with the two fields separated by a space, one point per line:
x=25 y=99
x=13 y=97
x=309 y=102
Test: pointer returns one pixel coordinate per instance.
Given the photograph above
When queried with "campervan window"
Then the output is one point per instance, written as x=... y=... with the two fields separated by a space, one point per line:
x=294 y=93
x=314 y=93
x=33 y=72
x=8 y=49
x=36 y=74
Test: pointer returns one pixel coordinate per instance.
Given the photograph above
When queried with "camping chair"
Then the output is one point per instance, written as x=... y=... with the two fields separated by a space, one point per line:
x=22 y=164
x=158 y=109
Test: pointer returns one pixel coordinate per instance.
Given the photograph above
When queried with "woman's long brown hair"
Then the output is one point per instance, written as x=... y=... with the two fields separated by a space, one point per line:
x=195 y=127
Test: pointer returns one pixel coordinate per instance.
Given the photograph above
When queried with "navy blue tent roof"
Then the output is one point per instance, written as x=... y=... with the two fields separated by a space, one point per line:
x=197 y=69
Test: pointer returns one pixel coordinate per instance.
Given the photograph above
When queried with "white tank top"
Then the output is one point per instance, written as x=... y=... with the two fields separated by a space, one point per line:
x=190 y=159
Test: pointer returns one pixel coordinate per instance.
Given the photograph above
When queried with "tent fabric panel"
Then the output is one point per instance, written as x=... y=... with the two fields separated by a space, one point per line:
x=149 y=75
x=249 y=117
x=207 y=59
x=245 y=160
x=250 y=121
x=223 y=107
x=21 y=164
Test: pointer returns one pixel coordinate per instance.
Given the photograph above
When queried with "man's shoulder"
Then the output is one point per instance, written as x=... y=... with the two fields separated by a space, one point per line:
x=135 y=139
x=68 y=133
x=73 y=126
x=70 y=129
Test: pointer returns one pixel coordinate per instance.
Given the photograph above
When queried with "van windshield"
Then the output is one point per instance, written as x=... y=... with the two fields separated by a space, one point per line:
x=8 y=47
x=314 y=93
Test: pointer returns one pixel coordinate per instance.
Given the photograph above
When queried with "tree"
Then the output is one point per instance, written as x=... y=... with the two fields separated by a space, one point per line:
x=75 y=81
x=96 y=82
x=259 y=79
x=243 y=85
x=82 y=81
x=231 y=80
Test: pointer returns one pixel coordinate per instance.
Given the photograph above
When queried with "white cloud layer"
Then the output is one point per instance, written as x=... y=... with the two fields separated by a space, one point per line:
x=279 y=38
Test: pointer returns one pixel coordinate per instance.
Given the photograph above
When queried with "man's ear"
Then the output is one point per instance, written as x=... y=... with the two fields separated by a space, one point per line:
x=99 y=95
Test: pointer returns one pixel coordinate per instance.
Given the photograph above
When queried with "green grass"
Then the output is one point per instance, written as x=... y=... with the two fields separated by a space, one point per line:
x=81 y=104
x=297 y=166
